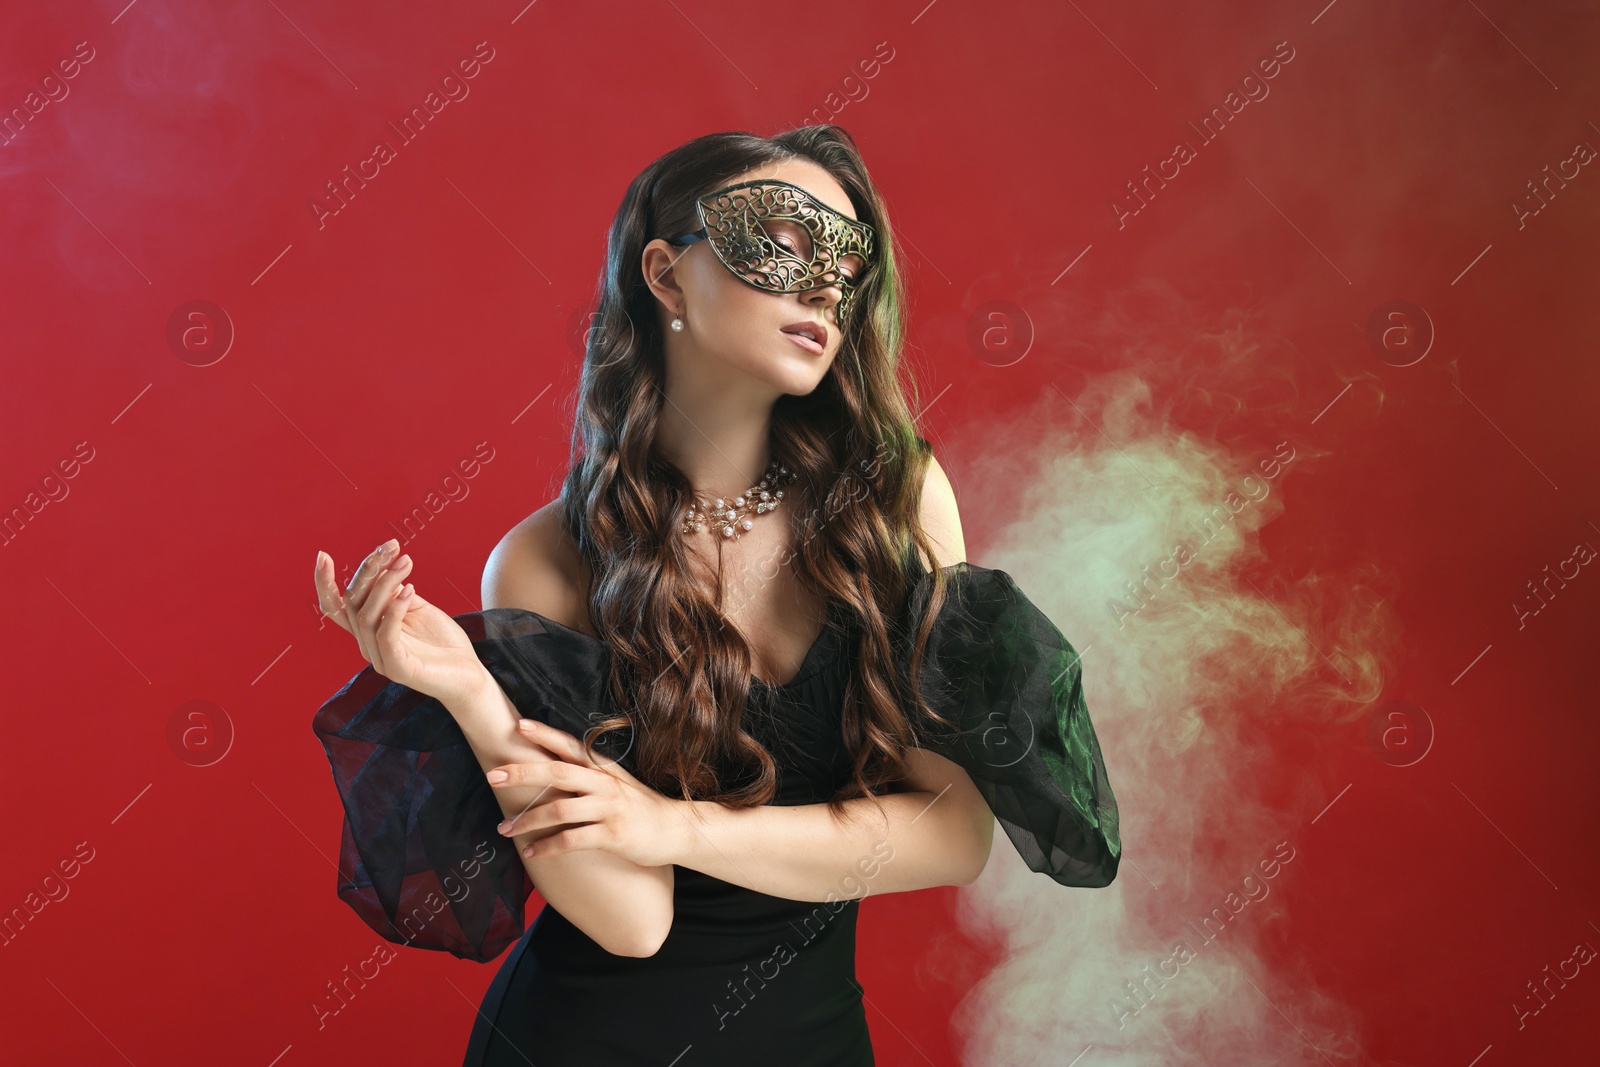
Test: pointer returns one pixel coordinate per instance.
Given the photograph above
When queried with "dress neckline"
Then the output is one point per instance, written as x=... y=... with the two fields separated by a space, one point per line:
x=807 y=666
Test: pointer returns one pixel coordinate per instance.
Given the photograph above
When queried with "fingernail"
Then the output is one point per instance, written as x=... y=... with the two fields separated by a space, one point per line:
x=498 y=776
x=503 y=827
x=527 y=724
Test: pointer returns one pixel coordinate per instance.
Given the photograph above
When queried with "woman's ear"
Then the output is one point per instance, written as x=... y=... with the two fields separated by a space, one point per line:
x=656 y=263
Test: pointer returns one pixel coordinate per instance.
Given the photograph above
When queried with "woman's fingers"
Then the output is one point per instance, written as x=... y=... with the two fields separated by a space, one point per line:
x=548 y=774
x=572 y=839
x=595 y=794
x=566 y=811
x=387 y=631
x=329 y=599
x=380 y=594
x=564 y=746
x=365 y=602
x=360 y=586
x=556 y=741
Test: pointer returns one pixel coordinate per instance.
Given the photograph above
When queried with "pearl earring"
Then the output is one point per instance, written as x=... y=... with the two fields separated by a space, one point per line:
x=677 y=325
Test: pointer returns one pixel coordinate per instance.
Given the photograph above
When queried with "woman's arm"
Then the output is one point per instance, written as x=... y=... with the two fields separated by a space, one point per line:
x=624 y=907
x=938 y=834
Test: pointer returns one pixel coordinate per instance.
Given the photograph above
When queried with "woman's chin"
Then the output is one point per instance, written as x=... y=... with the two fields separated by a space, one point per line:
x=798 y=381
x=787 y=374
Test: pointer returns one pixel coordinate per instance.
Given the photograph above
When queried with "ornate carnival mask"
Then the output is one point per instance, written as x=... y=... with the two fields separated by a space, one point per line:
x=775 y=236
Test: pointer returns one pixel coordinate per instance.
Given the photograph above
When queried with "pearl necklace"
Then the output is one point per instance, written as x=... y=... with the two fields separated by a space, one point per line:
x=732 y=520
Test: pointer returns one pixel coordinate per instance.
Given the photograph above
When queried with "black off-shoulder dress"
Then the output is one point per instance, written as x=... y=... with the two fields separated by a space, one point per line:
x=742 y=977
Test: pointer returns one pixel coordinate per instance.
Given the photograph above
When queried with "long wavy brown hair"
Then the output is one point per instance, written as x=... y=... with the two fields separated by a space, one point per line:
x=681 y=671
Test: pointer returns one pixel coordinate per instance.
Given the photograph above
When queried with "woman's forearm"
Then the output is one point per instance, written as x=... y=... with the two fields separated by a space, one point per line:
x=803 y=852
x=624 y=907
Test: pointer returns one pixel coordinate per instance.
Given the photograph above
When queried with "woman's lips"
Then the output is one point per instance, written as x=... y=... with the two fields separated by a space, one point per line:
x=804 y=342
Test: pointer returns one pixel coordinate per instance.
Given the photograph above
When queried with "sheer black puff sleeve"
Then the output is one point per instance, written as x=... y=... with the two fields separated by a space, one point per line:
x=420 y=859
x=1011 y=685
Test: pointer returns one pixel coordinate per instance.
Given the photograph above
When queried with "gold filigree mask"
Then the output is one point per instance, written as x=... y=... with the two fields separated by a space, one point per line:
x=777 y=237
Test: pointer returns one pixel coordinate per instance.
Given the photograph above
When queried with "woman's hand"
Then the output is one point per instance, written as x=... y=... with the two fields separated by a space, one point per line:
x=603 y=806
x=405 y=638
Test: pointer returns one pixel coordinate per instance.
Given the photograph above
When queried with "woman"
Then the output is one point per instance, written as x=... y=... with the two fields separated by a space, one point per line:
x=743 y=506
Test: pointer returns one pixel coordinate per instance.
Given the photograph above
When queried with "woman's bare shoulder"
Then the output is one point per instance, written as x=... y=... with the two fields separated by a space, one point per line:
x=537 y=567
x=941 y=518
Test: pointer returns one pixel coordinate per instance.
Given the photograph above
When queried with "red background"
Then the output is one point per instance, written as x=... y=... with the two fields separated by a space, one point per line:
x=440 y=308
